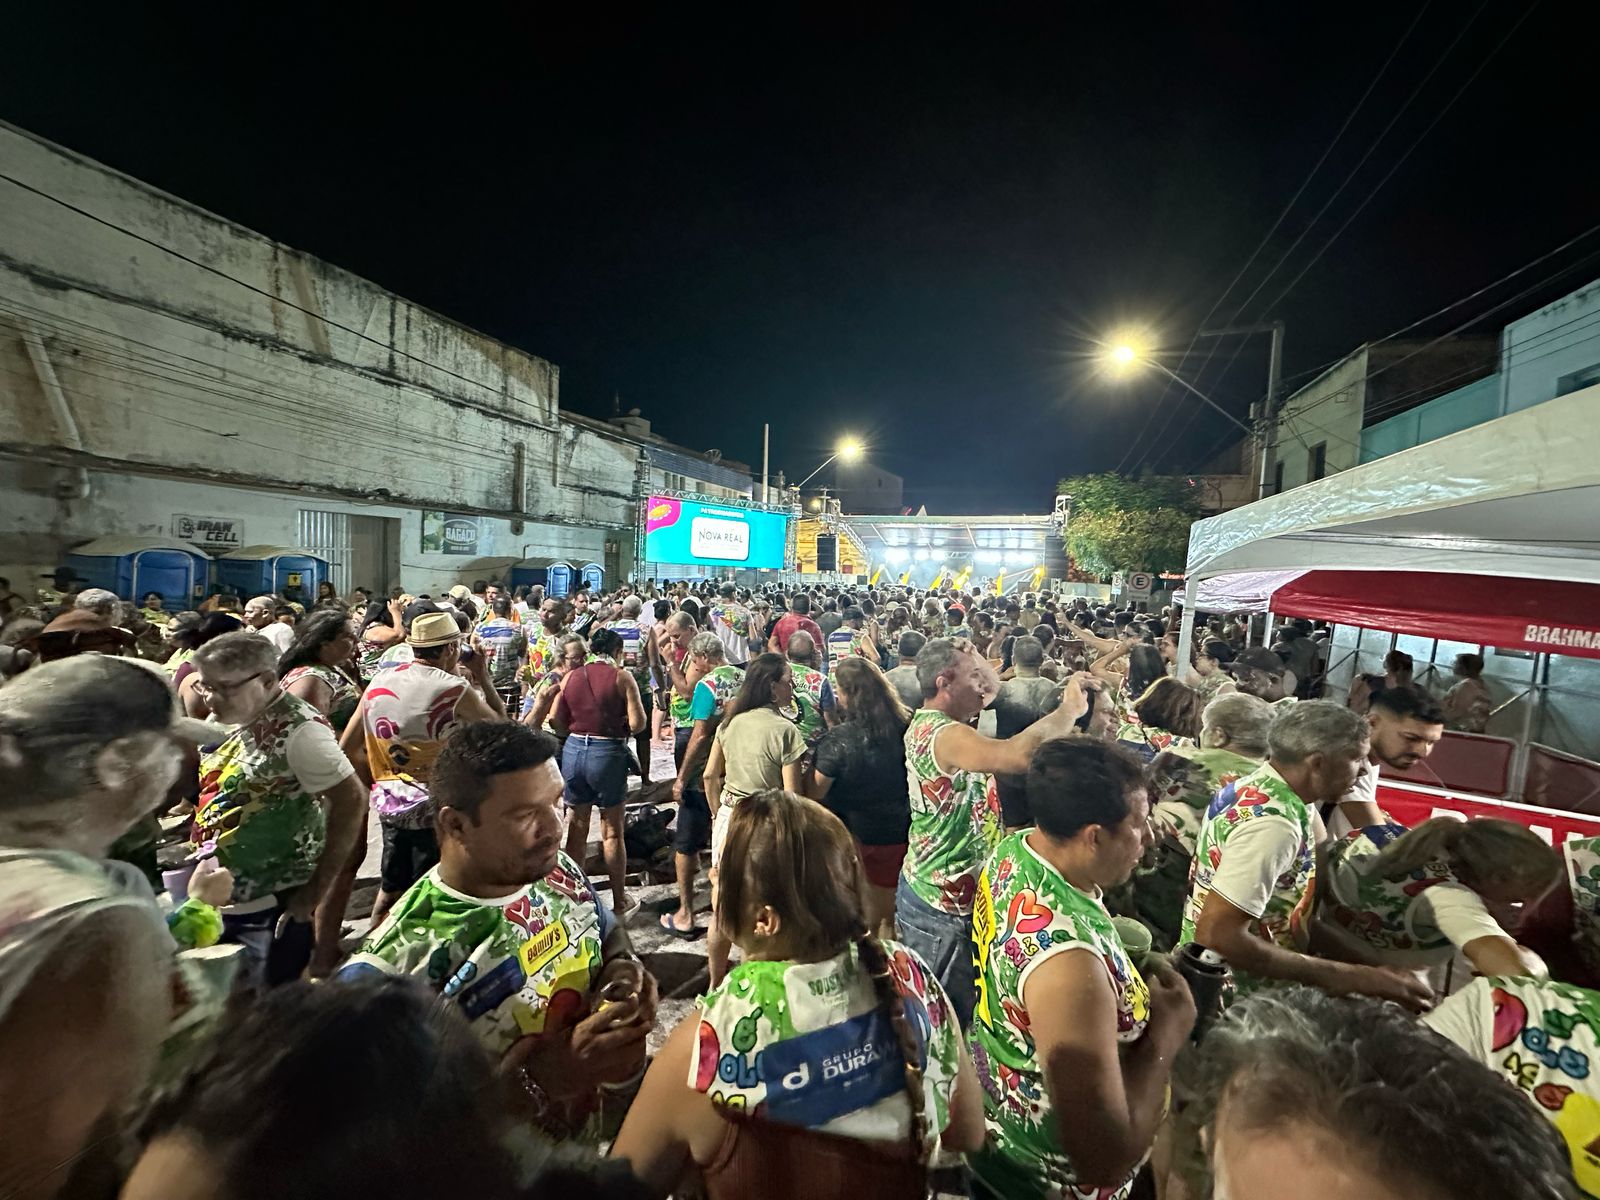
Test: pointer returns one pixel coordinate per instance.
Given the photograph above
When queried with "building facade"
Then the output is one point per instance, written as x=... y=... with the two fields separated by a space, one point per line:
x=169 y=374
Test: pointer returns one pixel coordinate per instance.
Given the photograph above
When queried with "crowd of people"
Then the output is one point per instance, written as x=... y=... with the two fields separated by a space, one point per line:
x=1005 y=900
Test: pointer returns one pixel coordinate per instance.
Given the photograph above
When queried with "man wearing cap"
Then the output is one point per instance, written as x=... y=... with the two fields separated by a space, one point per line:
x=260 y=616
x=1261 y=673
x=63 y=589
x=280 y=801
x=396 y=734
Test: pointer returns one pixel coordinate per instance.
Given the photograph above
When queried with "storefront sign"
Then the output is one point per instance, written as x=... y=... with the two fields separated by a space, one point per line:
x=209 y=533
x=449 y=533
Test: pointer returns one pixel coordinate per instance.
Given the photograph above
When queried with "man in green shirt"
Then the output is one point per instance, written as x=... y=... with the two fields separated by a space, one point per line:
x=1072 y=1045
x=1255 y=858
x=509 y=929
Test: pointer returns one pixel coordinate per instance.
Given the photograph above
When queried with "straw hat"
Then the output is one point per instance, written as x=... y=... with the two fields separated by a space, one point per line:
x=434 y=629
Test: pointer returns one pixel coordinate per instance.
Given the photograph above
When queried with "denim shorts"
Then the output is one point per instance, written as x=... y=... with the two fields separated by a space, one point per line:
x=944 y=942
x=595 y=770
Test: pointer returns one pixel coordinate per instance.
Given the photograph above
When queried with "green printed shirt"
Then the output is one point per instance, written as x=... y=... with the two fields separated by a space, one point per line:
x=955 y=821
x=806 y=711
x=1260 y=796
x=810 y=1044
x=1026 y=913
x=513 y=966
x=268 y=829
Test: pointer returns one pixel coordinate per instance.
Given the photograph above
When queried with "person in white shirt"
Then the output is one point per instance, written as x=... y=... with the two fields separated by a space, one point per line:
x=1540 y=1037
x=260 y=617
x=1414 y=897
x=1406 y=724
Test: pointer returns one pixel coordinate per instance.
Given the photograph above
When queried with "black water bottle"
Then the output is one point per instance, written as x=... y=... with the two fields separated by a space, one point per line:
x=1206 y=972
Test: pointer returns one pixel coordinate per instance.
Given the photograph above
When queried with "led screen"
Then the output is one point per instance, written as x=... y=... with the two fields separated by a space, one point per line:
x=687 y=531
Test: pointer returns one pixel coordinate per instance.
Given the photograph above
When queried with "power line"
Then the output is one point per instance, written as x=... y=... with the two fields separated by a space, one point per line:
x=1261 y=245
x=1348 y=179
x=303 y=406
x=1488 y=287
x=1531 y=289
x=274 y=297
x=1449 y=104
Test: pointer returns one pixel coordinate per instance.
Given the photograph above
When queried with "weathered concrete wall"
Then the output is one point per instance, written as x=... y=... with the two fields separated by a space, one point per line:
x=141 y=334
x=1328 y=409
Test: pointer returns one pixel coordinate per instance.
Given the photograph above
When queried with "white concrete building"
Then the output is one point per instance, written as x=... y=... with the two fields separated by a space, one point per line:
x=164 y=371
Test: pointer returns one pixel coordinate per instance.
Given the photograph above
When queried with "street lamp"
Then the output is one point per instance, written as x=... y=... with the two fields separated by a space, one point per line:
x=848 y=449
x=1126 y=353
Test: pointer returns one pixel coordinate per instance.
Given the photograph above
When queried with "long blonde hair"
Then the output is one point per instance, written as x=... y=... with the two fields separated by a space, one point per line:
x=1478 y=851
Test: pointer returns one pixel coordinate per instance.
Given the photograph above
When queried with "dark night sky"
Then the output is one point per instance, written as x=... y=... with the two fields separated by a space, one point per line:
x=897 y=226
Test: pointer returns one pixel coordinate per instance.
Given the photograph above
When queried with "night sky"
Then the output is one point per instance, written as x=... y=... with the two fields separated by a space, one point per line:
x=899 y=226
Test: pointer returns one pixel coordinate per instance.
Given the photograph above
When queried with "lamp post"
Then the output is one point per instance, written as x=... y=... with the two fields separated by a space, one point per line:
x=848 y=449
x=1125 y=356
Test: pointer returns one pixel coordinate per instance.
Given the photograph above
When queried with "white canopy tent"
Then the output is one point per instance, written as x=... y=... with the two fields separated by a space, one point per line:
x=1517 y=497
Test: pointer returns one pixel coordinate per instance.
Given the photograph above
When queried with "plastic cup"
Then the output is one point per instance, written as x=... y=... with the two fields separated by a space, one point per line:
x=176 y=881
x=1136 y=939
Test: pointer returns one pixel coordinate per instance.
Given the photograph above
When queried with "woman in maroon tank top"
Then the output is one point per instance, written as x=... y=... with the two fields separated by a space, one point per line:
x=599 y=710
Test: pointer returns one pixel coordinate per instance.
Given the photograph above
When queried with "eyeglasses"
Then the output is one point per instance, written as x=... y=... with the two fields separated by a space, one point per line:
x=207 y=689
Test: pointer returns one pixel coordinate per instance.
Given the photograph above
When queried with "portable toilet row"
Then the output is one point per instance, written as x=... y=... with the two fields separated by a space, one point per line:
x=180 y=573
x=559 y=578
x=133 y=567
x=273 y=570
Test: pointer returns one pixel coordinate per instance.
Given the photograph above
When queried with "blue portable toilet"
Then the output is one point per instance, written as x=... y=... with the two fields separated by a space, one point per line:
x=556 y=576
x=132 y=566
x=592 y=576
x=271 y=570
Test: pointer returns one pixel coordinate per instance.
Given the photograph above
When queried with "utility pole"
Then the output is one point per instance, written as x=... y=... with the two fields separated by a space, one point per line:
x=1267 y=431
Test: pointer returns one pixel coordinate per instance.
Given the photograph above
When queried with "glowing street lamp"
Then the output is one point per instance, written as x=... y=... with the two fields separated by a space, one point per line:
x=848 y=449
x=1126 y=353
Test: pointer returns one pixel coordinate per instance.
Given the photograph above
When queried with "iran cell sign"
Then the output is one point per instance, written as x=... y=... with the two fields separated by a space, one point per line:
x=683 y=532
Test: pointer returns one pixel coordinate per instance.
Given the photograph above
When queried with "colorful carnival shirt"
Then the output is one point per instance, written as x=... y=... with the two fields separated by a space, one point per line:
x=812 y=697
x=1026 y=913
x=513 y=966
x=1272 y=834
x=368 y=656
x=712 y=693
x=844 y=642
x=408 y=712
x=268 y=828
x=635 y=660
x=1582 y=858
x=810 y=1044
x=1415 y=920
x=1544 y=1037
x=505 y=645
x=955 y=821
x=544 y=652
x=731 y=622
x=1146 y=740
x=1183 y=784
x=345 y=693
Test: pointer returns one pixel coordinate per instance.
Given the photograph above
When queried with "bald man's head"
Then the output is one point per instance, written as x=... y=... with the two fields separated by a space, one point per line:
x=802 y=647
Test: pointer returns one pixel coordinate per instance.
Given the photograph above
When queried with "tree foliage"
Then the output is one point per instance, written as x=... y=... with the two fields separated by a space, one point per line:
x=1123 y=524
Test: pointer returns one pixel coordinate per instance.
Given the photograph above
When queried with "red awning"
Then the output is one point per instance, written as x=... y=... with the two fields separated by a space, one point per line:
x=1515 y=614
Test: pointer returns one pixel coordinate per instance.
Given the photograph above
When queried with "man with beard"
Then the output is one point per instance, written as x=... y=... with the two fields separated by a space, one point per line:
x=1406 y=725
x=1255 y=858
x=509 y=929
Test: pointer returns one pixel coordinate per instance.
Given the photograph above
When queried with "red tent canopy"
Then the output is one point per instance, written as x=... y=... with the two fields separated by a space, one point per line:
x=1515 y=614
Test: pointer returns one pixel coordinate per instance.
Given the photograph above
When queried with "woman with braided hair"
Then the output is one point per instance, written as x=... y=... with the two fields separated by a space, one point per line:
x=828 y=1063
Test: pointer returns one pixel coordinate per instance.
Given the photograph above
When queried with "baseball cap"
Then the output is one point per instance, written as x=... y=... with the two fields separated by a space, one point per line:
x=461 y=592
x=1257 y=658
x=434 y=629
